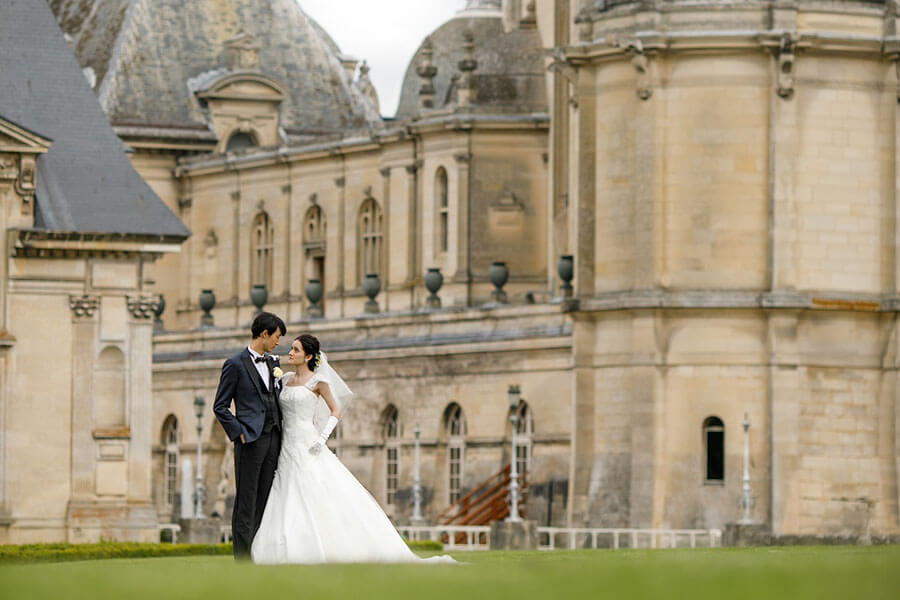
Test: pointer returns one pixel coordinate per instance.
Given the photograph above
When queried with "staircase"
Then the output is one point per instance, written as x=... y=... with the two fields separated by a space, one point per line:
x=485 y=503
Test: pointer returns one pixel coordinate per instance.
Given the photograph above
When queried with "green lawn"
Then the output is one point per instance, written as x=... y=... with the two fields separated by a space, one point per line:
x=758 y=573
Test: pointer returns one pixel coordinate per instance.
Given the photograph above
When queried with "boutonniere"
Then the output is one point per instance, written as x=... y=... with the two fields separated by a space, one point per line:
x=277 y=372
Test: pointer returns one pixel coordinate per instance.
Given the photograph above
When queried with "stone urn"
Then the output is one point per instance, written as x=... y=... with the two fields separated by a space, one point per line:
x=371 y=286
x=158 y=310
x=499 y=274
x=207 y=302
x=565 y=268
x=433 y=282
x=259 y=295
x=314 y=292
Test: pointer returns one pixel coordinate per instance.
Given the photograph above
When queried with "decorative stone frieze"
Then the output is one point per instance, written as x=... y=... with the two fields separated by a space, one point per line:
x=84 y=306
x=143 y=306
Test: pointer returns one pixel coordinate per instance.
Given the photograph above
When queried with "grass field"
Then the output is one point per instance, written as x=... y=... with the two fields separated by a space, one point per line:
x=759 y=573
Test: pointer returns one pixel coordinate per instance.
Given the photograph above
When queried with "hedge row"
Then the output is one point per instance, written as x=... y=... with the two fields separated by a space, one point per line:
x=65 y=552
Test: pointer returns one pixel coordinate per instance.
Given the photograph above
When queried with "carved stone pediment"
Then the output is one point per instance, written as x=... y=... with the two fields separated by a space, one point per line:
x=18 y=140
x=244 y=86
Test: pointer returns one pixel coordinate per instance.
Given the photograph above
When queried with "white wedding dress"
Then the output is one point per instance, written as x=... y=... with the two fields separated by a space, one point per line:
x=317 y=511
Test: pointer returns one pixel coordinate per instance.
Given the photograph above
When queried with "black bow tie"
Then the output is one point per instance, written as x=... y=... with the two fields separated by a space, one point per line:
x=259 y=359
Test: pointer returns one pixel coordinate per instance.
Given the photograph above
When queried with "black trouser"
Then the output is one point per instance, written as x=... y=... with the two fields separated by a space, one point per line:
x=254 y=469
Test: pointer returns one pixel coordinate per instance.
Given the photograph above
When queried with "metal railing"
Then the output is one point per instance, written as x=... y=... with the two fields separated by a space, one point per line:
x=616 y=538
x=475 y=537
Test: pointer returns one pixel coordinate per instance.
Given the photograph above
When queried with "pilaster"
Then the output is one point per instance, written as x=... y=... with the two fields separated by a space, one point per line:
x=784 y=394
x=783 y=150
x=85 y=325
x=582 y=190
x=463 y=170
x=581 y=462
x=140 y=401
x=341 y=184
x=414 y=230
x=386 y=236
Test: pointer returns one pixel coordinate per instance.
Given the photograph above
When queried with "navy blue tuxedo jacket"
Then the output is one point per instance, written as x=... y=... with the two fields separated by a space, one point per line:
x=241 y=382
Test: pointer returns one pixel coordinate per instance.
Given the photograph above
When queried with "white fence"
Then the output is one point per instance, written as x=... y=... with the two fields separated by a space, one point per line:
x=475 y=537
x=460 y=537
x=571 y=538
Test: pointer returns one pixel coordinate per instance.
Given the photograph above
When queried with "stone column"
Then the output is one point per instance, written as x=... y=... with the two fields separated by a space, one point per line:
x=463 y=268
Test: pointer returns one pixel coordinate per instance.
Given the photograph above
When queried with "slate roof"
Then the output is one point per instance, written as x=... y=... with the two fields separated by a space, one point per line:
x=510 y=77
x=144 y=52
x=85 y=183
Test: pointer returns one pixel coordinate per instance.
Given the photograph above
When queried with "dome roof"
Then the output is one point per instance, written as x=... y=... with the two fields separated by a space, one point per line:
x=510 y=76
x=145 y=56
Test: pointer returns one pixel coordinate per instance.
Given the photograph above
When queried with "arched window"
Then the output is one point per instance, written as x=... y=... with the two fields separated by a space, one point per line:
x=370 y=238
x=442 y=202
x=714 y=445
x=240 y=141
x=524 y=432
x=456 y=449
x=390 y=433
x=170 y=442
x=109 y=385
x=261 y=259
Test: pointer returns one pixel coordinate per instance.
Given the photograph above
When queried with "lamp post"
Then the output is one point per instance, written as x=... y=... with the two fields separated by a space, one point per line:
x=515 y=396
x=200 y=492
x=746 y=498
x=417 y=482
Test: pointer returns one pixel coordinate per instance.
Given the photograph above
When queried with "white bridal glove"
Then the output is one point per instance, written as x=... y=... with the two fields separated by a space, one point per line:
x=323 y=437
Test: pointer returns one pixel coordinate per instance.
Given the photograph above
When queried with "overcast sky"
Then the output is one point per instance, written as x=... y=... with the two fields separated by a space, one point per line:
x=386 y=34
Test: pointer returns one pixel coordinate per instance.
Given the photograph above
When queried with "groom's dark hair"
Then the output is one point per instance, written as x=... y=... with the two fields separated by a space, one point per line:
x=266 y=321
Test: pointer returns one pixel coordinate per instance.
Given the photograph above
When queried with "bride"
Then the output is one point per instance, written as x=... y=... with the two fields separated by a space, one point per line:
x=317 y=511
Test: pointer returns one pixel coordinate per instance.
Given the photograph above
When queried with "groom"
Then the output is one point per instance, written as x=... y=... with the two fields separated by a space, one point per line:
x=248 y=379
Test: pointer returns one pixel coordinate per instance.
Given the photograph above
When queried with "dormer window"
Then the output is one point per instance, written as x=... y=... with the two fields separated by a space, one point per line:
x=244 y=109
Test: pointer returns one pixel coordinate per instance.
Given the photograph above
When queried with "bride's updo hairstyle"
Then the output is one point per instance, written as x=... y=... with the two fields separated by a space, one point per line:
x=310 y=346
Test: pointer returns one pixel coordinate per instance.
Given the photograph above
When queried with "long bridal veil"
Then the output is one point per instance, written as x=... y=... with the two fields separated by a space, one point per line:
x=339 y=389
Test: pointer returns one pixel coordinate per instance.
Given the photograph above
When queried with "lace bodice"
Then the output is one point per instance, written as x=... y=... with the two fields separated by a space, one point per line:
x=298 y=405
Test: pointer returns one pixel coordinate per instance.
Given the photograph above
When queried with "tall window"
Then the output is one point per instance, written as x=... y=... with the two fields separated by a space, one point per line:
x=524 y=431
x=261 y=260
x=391 y=435
x=170 y=440
x=314 y=227
x=456 y=449
x=370 y=238
x=714 y=442
x=443 y=210
x=314 y=230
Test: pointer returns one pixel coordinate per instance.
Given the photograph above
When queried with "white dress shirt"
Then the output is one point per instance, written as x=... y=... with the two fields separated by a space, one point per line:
x=261 y=367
